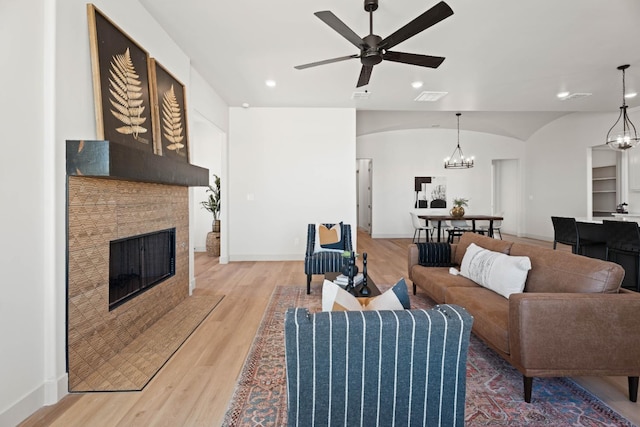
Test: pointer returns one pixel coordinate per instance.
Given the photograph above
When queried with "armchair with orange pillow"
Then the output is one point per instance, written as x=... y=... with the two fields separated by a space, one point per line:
x=325 y=245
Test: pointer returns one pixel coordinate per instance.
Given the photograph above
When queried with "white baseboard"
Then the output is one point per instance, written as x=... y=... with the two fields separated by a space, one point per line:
x=48 y=393
x=392 y=236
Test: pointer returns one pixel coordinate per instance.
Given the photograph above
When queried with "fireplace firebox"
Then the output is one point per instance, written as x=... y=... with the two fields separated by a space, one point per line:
x=138 y=263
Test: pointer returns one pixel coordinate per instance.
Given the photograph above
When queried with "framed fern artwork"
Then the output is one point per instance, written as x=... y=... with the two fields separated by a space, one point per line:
x=121 y=86
x=170 y=113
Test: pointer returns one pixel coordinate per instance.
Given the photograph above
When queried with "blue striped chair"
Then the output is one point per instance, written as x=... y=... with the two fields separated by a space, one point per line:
x=324 y=262
x=377 y=368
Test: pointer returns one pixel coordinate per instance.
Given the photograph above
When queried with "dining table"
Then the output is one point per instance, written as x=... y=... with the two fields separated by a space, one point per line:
x=468 y=217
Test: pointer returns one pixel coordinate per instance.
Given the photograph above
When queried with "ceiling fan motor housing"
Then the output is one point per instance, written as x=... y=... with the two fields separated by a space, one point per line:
x=371 y=55
x=370 y=5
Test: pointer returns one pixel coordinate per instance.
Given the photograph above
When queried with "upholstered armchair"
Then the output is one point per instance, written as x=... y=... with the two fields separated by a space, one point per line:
x=377 y=368
x=324 y=262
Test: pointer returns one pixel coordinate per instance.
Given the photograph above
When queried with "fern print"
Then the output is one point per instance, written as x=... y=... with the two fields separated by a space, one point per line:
x=172 y=121
x=126 y=96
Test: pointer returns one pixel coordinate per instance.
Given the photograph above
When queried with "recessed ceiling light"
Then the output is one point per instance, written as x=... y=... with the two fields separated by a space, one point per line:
x=416 y=85
x=631 y=95
x=245 y=105
x=270 y=83
x=562 y=94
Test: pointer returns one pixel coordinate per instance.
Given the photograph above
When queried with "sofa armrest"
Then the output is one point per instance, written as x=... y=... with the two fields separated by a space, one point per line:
x=574 y=334
x=413 y=259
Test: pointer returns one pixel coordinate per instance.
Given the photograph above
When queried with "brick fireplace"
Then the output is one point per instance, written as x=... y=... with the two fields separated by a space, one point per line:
x=101 y=209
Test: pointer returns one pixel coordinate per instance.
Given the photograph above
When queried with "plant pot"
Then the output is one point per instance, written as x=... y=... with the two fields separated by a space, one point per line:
x=457 y=211
x=213 y=244
x=215 y=226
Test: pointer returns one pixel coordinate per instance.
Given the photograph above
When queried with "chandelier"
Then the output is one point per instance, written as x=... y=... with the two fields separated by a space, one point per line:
x=622 y=134
x=457 y=160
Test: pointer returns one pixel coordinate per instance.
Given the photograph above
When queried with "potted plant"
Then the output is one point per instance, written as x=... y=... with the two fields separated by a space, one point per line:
x=458 y=207
x=212 y=204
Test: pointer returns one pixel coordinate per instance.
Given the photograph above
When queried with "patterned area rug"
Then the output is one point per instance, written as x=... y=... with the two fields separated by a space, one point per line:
x=494 y=387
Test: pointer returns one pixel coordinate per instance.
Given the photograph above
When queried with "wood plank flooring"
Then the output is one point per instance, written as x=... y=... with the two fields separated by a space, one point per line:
x=194 y=387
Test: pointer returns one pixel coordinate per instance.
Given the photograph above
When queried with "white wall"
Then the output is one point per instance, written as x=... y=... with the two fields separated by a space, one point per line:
x=400 y=156
x=557 y=171
x=288 y=167
x=25 y=191
x=51 y=101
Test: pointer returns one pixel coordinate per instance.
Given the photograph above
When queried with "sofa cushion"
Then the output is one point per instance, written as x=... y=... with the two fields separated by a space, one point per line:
x=490 y=312
x=490 y=243
x=501 y=273
x=334 y=298
x=435 y=281
x=562 y=271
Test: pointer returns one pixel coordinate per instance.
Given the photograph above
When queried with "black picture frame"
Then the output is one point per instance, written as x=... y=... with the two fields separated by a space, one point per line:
x=170 y=113
x=121 y=85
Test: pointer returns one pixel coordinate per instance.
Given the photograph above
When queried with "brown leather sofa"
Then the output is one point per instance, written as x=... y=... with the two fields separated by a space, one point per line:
x=573 y=318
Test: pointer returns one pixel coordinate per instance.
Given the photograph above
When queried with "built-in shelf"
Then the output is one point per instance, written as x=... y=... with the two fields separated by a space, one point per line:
x=111 y=160
x=604 y=190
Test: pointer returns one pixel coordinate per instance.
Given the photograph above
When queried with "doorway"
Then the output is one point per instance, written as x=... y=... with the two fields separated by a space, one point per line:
x=364 y=178
x=505 y=193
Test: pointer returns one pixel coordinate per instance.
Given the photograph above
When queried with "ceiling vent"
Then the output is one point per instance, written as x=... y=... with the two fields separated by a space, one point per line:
x=575 y=95
x=430 y=96
x=360 y=95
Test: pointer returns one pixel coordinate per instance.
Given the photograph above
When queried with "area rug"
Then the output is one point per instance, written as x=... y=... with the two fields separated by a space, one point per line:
x=494 y=387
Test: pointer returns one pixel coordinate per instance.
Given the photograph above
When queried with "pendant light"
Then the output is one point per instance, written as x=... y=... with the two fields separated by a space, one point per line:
x=457 y=160
x=622 y=134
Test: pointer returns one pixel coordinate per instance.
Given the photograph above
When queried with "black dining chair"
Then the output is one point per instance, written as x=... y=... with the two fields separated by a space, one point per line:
x=623 y=238
x=565 y=231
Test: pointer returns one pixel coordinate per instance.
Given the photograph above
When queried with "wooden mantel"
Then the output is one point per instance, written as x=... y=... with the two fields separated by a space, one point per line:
x=111 y=160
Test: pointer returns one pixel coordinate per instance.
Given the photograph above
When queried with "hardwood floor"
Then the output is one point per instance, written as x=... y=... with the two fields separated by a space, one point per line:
x=194 y=387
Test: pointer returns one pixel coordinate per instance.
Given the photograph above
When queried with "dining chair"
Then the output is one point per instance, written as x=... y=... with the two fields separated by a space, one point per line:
x=497 y=224
x=565 y=231
x=458 y=226
x=420 y=226
x=623 y=238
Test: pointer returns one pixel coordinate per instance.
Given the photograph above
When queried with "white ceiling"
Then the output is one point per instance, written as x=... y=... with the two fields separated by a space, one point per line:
x=505 y=60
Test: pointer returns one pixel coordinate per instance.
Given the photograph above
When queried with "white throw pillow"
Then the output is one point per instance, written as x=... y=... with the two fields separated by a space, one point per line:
x=334 y=298
x=499 y=272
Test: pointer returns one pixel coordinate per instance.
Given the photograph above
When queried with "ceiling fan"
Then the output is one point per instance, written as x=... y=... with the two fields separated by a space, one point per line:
x=374 y=49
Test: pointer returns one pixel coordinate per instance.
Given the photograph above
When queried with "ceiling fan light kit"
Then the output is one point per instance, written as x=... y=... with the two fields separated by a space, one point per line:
x=622 y=135
x=374 y=49
x=457 y=159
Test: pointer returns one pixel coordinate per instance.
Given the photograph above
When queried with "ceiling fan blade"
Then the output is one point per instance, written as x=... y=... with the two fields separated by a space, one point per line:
x=334 y=22
x=413 y=59
x=431 y=17
x=326 y=61
x=365 y=75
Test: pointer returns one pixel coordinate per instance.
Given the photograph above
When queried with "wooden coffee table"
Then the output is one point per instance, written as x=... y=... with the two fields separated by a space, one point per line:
x=373 y=289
